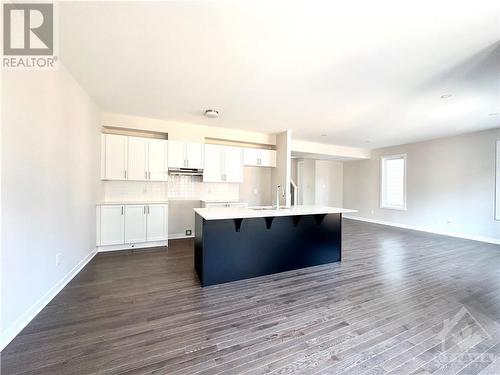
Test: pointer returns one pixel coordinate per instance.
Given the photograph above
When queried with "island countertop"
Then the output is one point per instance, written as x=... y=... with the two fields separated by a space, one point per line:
x=221 y=213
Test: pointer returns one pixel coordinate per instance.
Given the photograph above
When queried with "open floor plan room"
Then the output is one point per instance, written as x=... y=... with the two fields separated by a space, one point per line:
x=250 y=188
x=400 y=302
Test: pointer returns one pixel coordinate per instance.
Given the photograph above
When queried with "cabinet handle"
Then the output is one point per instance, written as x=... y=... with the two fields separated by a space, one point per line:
x=148 y=210
x=122 y=210
x=144 y=210
x=125 y=173
x=146 y=175
x=149 y=175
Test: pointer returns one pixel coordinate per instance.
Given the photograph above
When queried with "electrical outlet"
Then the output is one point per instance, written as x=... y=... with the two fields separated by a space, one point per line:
x=188 y=232
x=58 y=259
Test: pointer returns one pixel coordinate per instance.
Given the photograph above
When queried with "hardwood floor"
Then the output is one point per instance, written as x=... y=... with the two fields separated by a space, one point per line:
x=400 y=302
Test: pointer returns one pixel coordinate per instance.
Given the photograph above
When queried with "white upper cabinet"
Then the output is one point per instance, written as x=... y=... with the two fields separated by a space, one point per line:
x=233 y=164
x=185 y=155
x=157 y=222
x=157 y=160
x=135 y=223
x=259 y=157
x=194 y=155
x=137 y=167
x=223 y=164
x=134 y=158
x=115 y=153
x=176 y=154
x=213 y=163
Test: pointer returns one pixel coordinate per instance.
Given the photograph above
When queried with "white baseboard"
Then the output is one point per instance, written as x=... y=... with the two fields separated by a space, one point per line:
x=428 y=230
x=179 y=236
x=20 y=323
x=135 y=246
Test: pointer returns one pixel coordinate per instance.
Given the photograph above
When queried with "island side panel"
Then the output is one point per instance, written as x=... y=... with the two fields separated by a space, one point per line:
x=198 y=246
x=225 y=254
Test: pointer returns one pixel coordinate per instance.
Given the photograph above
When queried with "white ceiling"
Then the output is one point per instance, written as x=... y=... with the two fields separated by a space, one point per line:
x=363 y=73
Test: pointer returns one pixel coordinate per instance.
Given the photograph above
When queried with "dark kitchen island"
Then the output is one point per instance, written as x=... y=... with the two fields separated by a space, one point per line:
x=239 y=243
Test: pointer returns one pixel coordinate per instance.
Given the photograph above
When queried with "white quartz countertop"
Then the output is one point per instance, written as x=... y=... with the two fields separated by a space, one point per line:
x=221 y=213
x=130 y=202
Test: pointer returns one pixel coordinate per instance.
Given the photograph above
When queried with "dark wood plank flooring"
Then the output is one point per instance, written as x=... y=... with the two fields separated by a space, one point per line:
x=400 y=302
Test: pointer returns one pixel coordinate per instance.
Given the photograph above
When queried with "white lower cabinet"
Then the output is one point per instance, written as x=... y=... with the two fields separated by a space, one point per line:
x=112 y=225
x=135 y=223
x=157 y=222
x=123 y=226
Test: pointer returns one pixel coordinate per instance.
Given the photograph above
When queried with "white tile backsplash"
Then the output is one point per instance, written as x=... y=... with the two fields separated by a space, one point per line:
x=180 y=187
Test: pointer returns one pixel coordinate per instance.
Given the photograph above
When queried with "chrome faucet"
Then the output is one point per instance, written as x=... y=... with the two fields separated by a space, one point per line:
x=278 y=197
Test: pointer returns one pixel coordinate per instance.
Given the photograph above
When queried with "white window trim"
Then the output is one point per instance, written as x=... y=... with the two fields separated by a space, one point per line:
x=382 y=181
x=497 y=181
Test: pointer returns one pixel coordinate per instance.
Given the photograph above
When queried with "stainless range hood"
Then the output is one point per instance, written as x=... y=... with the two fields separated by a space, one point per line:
x=185 y=171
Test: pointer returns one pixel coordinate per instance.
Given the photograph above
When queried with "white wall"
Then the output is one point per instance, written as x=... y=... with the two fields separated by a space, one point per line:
x=185 y=131
x=450 y=185
x=320 y=182
x=329 y=183
x=50 y=183
x=257 y=186
x=306 y=175
x=281 y=175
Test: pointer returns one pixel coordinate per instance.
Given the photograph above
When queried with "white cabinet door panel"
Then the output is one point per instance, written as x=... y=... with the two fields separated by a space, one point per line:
x=157 y=222
x=135 y=223
x=157 y=160
x=194 y=155
x=112 y=225
x=116 y=157
x=176 y=154
x=212 y=171
x=232 y=164
x=250 y=156
x=137 y=159
x=267 y=158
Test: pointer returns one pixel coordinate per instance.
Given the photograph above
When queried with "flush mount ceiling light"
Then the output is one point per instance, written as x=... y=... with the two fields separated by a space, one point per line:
x=494 y=114
x=211 y=113
x=446 y=96
x=323 y=135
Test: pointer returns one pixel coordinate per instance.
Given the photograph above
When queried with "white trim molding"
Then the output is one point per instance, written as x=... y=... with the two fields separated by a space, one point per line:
x=491 y=240
x=20 y=323
x=497 y=183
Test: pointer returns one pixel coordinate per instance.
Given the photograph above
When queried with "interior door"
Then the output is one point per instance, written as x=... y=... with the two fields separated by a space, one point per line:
x=137 y=159
x=157 y=160
x=213 y=163
x=112 y=225
x=194 y=155
x=233 y=164
x=176 y=154
x=116 y=157
x=157 y=222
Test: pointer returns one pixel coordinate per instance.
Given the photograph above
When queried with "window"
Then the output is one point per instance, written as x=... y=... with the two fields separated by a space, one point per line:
x=393 y=189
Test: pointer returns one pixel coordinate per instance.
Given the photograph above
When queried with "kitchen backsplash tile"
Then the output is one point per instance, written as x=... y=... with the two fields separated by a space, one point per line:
x=180 y=187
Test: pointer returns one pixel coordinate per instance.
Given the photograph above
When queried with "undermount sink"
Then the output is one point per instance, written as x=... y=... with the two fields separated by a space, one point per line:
x=269 y=208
